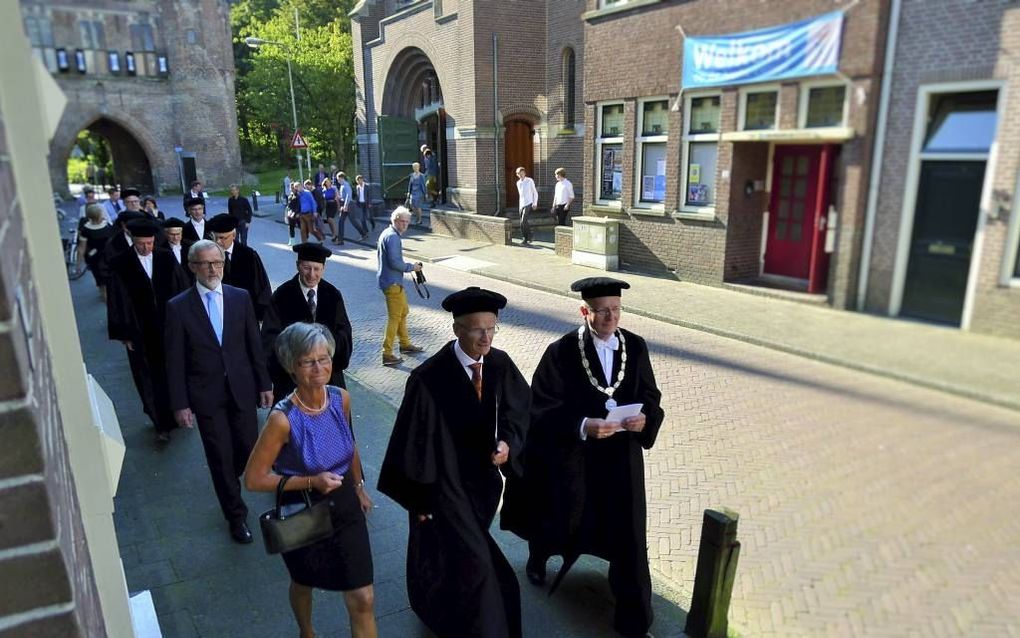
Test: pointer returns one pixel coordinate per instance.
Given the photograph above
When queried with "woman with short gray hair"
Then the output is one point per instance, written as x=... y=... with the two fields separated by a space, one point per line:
x=308 y=444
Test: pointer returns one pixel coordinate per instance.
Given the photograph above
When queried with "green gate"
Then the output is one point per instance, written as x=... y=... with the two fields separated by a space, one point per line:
x=398 y=147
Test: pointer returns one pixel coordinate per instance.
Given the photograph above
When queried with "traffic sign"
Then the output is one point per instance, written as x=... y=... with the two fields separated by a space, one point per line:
x=298 y=141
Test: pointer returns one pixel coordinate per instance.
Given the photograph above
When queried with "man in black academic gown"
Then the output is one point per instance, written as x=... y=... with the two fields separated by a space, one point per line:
x=462 y=421
x=309 y=298
x=121 y=241
x=583 y=489
x=143 y=278
x=243 y=267
x=195 y=227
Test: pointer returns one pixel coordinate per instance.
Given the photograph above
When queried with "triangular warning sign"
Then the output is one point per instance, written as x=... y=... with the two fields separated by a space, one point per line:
x=298 y=141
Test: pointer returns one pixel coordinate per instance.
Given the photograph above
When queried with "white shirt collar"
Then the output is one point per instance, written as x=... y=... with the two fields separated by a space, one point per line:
x=612 y=343
x=464 y=358
x=305 y=289
x=202 y=290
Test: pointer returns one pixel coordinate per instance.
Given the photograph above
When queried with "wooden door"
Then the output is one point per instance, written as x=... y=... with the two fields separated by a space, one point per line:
x=798 y=202
x=518 y=151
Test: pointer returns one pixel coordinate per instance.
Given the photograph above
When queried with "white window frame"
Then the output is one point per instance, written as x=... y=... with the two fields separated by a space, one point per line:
x=599 y=142
x=925 y=93
x=805 y=92
x=639 y=143
x=605 y=4
x=742 y=105
x=707 y=212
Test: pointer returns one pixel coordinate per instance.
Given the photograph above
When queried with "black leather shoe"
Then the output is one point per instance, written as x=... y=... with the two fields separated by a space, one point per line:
x=535 y=570
x=240 y=533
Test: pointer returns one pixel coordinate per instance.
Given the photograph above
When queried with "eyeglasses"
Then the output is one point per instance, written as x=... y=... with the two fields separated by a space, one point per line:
x=206 y=264
x=307 y=364
x=605 y=313
x=478 y=333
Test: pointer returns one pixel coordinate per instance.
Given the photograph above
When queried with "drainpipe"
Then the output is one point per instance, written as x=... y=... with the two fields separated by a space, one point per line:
x=878 y=153
x=495 y=123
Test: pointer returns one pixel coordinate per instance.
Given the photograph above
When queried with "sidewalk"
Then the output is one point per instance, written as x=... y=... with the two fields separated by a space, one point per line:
x=946 y=359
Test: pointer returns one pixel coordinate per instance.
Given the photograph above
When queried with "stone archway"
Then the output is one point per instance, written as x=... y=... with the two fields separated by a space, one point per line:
x=131 y=152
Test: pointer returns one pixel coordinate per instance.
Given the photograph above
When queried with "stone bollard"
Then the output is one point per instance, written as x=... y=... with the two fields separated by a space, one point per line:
x=713 y=582
x=277 y=197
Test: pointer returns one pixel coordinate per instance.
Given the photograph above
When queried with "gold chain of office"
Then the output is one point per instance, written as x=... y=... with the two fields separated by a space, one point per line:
x=608 y=391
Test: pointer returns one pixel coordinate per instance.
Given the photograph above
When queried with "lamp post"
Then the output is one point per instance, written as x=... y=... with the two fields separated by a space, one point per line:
x=255 y=43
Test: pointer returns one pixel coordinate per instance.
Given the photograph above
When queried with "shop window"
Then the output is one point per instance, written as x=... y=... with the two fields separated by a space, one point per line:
x=825 y=106
x=609 y=153
x=760 y=110
x=653 y=128
x=700 y=153
x=569 y=82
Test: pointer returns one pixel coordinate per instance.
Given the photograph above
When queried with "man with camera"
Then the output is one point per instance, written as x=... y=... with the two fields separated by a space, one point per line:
x=390 y=274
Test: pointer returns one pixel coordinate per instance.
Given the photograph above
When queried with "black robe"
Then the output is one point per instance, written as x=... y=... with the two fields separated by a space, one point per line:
x=136 y=312
x=439 y=462
x=115 y=245
x=288 y=306
x=244 y=269
x=191 y=234
x=588 y=497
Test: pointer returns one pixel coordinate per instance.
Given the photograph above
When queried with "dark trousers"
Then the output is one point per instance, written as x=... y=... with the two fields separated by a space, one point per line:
x=526 y=223
x=357 y=223
x=150 y=382
x=361 y=210
x=292 y=224
x=228 y=435
x=242 y=232
x=561 y=213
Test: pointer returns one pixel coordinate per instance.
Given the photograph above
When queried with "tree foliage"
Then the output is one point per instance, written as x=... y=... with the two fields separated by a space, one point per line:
x=323 y=71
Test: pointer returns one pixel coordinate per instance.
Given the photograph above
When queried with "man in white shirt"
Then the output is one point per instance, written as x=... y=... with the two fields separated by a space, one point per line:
x=526 y=202
x=562 y=197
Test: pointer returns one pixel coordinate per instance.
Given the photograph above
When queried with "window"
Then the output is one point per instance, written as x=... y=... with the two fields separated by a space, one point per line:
x=759 y=110
x=605 y=4
x=142 y=38
x=826 y=106
x=129 y=63
x=92 y=36
x=79 y=61
x=191 y=36
x=961 y=123
x=653 y=131
x=700 y=149
x=113 y=61
x=569 y=81
x=609 y=153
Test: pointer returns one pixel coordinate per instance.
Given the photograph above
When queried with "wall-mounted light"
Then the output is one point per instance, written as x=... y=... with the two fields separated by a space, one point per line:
x=129 y=63
x=79 y=61
x=62 y=62
x=113 y=62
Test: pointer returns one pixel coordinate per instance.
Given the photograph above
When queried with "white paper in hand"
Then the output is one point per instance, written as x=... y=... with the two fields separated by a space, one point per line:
x=621 y=412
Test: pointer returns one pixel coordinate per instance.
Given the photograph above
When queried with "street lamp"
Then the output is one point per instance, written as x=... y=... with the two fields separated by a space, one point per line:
x=255 y=43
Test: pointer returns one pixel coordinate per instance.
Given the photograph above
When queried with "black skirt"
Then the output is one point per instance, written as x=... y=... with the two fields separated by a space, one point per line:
x=343 y=561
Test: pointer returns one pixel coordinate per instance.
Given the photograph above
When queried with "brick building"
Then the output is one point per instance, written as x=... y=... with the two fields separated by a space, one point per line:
x=946 y=220
x=489 y=86
x=149 y=76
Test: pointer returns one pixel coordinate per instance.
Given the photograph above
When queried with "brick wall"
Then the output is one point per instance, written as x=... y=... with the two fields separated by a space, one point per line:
x=493 y=230
x=743 y=239
x=46 y=572
x=564 y=237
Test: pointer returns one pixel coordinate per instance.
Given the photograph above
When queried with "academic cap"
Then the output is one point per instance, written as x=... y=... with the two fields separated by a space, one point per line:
x=193 y=201
x=474 y=299
x=222 y=223
x=310 y=251
x=128 y=216
x=130 y=192
x=141 y=228
x=173 y=222
x=593 y=287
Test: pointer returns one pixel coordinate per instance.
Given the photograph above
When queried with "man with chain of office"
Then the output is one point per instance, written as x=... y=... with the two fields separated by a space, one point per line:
x=595 y=407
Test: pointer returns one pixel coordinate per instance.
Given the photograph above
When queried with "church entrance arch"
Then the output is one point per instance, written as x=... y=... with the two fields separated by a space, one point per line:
x=413 y=115
x=130 y=163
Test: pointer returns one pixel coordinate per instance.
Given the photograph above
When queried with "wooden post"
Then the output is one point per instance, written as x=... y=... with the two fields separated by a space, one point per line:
x=713 y=582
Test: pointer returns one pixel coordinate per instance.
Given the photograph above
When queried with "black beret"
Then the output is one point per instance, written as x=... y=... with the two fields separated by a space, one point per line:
x=173 y=222
x=310 y=251
x=193 y=201
x=222 y=223
x=128 y=216
x=142 y=228
x=130 y=192
x=593 y=287
x=474 y=299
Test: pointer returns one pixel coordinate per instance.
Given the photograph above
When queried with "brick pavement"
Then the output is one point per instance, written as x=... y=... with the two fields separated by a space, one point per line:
x=868 y=506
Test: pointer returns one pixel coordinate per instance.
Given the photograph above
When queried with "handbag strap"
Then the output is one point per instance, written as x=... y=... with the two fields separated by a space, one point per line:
x=279 y=494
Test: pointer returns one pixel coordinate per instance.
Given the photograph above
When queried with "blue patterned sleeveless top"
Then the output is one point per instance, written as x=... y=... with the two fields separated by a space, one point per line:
x=319 y=443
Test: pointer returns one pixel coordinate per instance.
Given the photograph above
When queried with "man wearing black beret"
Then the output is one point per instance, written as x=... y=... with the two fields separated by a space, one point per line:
x=242 y=267
x=461 y=424
x=583 y=489
x=307 y=297
x=143 y=278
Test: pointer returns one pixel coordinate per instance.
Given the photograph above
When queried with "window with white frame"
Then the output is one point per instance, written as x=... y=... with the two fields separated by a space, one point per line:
x=824 y=106
x=609 y=153
x=700 y=151
x=759 y=110
x=653 y=131
x=605 y=4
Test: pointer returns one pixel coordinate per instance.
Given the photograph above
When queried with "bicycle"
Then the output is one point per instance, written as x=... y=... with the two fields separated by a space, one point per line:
x=71 y=256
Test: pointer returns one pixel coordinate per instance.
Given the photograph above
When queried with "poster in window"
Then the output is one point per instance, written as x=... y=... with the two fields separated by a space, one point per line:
x=694 y=174
x=660 y=188
x=648 y=188
x=611 y=180
x=697 y=193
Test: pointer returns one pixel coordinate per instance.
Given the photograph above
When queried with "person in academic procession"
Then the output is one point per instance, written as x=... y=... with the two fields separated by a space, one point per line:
x=307 y=297
x=195 y=227
x=583 y=488
x=243 y=267
x=143 y=279
x=461 y=424
x=121 y=241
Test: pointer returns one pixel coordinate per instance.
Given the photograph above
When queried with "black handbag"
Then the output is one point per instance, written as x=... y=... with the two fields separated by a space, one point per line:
x=290 y=527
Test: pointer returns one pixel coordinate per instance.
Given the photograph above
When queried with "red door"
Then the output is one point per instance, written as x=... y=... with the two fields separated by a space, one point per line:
x=518 y=151
x=799 y=203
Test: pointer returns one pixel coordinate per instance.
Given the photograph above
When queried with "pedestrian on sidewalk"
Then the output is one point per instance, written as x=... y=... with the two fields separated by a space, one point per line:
x=460 y=426
x=431 y=176
x=390 y=275
x=416 y=191
x=583 y=490
x=331 y=198
x=361 y=203
x=346 y=198
x=307 y=216
x=242 y=266
x=563 y=196
x=526 y=202
x=293 y=214
x=143 y=279
x=308 y=444
x=286 y=186
x=239 y=208
x=217 y=377
x=309 y=298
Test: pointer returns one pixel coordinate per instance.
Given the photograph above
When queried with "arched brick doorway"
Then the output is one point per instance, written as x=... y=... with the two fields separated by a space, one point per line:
x=131 y=167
